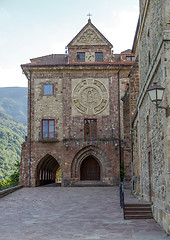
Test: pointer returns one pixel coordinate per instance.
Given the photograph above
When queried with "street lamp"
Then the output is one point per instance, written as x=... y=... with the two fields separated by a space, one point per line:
x=156 y=95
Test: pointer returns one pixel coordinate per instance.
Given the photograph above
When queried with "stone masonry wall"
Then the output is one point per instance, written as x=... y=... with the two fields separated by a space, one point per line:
x=92 y=49
x=152 y=125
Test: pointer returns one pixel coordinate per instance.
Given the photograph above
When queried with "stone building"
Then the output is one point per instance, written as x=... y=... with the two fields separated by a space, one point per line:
x=151 y=124
x=74 y=112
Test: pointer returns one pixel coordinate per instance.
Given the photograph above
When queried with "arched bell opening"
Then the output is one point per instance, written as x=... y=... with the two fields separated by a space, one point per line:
x=90 y=169
x=46 y=170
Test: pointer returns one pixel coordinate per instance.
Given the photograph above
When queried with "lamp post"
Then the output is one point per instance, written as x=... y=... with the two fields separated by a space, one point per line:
x=156 y=95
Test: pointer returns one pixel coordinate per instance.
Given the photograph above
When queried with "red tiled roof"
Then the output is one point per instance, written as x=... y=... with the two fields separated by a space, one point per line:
x=51 y=59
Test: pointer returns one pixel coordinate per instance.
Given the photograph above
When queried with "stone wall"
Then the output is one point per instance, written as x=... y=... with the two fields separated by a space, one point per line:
x=151 y=125
x=74 y=50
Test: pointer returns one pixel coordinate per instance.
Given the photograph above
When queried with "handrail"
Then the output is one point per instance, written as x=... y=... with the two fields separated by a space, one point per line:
x=10 y=185
x=122 y=205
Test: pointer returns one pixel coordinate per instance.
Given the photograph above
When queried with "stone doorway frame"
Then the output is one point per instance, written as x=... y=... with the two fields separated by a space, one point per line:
x=85 y=152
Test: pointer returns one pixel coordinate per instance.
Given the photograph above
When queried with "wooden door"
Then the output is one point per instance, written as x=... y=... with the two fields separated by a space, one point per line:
x=90 y=169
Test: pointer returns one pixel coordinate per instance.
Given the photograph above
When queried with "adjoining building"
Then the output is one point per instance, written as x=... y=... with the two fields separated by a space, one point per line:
x=74 y=112
x=150 y=122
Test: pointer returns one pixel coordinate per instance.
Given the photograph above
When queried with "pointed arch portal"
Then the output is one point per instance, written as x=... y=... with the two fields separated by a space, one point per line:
x=90 y=169
x=89 y=164
x=46 y=170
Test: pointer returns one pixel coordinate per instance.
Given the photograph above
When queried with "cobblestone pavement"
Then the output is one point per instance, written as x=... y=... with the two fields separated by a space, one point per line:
x=50 y=213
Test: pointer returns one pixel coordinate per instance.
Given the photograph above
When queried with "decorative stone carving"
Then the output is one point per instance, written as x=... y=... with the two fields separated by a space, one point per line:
x=89 y=37
x=90 y=96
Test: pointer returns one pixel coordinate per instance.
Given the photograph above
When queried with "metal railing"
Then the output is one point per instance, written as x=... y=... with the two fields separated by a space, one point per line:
x=122 y=205
x=52 y=139
x=10 y=185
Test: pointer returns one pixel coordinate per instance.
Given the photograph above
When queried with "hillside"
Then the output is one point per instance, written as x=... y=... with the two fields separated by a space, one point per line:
x=13 y=102
x=13 y=112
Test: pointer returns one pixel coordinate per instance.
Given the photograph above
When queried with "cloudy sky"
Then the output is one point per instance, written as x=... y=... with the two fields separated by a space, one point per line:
x=34 y=28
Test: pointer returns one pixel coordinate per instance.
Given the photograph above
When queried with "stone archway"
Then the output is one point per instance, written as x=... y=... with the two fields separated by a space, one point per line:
x=104 y=163
x=90 y=169
x=46 y=170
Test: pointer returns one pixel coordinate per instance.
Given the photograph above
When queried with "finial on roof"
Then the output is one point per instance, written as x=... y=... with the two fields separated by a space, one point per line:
x=89 y=15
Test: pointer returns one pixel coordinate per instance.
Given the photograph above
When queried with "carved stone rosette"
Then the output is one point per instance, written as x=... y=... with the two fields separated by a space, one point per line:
x=90 y=96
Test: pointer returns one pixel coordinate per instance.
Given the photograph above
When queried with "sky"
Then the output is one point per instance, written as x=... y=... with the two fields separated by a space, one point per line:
x=35 y=28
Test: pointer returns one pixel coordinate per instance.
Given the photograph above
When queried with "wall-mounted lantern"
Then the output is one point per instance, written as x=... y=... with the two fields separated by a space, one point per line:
x=66 y=144
x=116 y=145
x=156 y=95
x=123 y=146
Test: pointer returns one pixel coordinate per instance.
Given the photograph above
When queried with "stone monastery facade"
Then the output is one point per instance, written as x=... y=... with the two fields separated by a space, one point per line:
x=74 y=113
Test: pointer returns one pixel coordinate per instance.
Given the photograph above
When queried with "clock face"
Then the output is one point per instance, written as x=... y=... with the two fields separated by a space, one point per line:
x=90 y=57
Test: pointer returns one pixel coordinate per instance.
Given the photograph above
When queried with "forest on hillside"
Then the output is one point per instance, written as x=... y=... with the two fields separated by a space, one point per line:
x=13 y=112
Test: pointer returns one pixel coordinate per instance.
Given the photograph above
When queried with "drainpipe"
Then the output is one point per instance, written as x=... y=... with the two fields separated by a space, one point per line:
x=120 y=152
x=131 y=133
x=29 y=159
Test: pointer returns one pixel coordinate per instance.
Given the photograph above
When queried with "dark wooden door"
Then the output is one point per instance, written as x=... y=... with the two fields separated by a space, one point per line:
x=90 y=169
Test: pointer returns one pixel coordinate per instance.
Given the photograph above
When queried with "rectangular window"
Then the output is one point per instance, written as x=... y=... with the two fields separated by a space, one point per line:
x=48 y=89
x=130 y=58
x=98 y=57
x=81 y=57
x=90 y=128
x=48 y=129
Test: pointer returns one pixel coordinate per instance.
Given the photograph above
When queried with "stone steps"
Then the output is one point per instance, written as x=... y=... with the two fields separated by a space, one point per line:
x=90 y=184
x=137 y=211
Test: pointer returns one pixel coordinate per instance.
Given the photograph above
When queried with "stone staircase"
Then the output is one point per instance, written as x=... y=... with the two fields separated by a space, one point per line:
x=89 y=183
x=137 y=211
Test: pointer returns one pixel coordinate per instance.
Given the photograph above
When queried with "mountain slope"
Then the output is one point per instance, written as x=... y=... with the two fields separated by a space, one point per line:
x=11 y=137
x=13 y=118
x=13 y=102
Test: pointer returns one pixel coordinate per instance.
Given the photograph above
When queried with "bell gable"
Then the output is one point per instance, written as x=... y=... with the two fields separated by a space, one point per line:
x=89 y=45
x=88 y=36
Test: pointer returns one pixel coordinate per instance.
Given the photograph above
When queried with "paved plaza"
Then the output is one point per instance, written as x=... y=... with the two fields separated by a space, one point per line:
x=50 y=213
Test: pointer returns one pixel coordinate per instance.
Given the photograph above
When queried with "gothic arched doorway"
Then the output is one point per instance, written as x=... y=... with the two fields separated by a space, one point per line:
x=46 y=170
x=90 y=169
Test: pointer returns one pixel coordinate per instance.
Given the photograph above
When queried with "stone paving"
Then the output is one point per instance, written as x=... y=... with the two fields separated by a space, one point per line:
x=87 y=213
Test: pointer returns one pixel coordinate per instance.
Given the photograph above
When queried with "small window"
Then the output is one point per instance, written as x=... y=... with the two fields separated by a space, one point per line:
x=48 y=89
x=98 y=57
x=130 y=58
x=80 y=57
x=48 y=129
x=90 y=128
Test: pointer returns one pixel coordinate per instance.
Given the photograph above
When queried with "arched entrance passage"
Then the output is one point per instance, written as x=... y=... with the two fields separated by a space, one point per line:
x=90 y=169
x=46 y=170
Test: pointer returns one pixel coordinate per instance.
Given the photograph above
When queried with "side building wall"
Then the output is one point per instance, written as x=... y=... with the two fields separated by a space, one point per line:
x=152 y=135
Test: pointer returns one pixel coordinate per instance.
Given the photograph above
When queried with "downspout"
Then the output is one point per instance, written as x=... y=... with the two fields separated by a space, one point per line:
x=132 y=144
x=131 y=133
x=30 y=107
x=120 y=152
